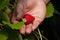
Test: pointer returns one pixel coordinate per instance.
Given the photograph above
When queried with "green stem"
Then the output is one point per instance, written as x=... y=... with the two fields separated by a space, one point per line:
x=44 y=37
x=40 y=34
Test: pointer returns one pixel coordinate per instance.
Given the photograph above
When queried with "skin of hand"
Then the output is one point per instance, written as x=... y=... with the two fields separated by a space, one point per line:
x=46 y=1
x=36 y=8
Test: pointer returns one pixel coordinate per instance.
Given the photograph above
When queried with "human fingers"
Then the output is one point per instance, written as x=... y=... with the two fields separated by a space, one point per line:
x=22 y=30
x=28 y=28
x=36 y=22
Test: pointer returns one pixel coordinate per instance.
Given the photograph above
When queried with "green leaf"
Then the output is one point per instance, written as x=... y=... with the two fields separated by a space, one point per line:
x=8 y=10
x=3 y=35
x=13 y=34
x=50 y=10
x=4 y=3
x=9 y=34
x=20 y=37
x=4 y=17
x=14 y=26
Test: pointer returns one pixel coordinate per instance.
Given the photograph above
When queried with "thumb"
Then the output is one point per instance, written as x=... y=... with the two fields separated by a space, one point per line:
x=19 y=16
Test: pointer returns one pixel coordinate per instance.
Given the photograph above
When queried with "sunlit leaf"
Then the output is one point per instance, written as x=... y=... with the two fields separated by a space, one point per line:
x=14 y=26
x=50 y=10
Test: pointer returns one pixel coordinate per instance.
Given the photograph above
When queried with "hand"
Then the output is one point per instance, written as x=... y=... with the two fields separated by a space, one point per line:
x=36 y=8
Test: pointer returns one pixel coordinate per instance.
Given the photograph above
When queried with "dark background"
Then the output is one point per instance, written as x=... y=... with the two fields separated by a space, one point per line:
x=51 y=26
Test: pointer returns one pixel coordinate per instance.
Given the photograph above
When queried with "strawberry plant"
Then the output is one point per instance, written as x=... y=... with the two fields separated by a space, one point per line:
x=10 y=31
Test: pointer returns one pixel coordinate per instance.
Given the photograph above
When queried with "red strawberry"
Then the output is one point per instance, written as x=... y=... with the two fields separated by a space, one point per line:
x=10 y=15
x=28 y=18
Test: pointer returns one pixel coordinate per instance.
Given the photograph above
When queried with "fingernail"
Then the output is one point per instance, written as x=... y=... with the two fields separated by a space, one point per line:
x=28 y=31
x=22 y=32
x=33 y=29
